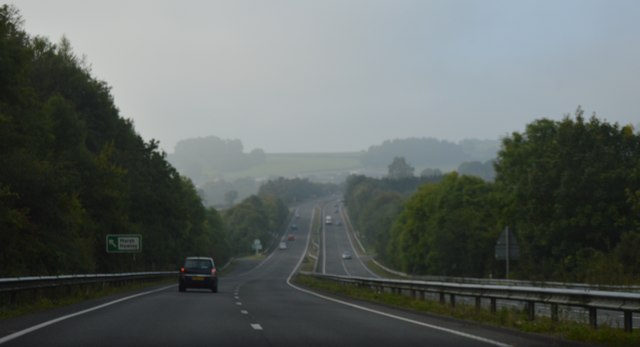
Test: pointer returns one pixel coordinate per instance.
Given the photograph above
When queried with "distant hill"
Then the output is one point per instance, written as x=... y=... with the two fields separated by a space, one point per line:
x=207 y=158
x=430 y=152
x=218 y=166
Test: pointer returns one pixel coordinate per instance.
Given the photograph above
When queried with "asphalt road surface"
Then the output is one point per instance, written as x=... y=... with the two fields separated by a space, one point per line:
x=256 y=306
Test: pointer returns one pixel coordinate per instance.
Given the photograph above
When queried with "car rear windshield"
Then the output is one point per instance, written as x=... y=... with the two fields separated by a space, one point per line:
x=198 y=264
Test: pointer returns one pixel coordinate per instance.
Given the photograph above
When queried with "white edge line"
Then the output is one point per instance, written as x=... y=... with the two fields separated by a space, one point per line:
x=59 y=319
x=451 y=331
x=348 y=231
x=324 y=242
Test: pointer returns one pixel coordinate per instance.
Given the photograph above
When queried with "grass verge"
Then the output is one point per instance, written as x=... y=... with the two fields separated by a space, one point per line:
x=510 y=318
x=37 y=300
x=381 y=272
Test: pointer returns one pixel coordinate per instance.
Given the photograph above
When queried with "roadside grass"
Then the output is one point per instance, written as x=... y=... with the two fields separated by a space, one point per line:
x=307 y=264
x=380 y=271
x=505 y=317
x=37 y=301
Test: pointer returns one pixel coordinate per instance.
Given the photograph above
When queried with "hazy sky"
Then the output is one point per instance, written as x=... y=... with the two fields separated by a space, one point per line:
x=323 y=76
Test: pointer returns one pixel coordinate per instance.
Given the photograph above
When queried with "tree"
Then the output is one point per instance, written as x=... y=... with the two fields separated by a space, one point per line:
x=230 y=197
x=447 y=228
x=567 y=188
x=399 y=168
x=83 y=171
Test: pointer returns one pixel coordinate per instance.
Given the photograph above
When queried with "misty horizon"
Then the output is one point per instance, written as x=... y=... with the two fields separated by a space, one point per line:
x=334 y=76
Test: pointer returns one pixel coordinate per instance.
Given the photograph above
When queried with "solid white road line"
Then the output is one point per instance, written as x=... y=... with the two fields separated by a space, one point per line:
x=59 y=319
x=451 y=331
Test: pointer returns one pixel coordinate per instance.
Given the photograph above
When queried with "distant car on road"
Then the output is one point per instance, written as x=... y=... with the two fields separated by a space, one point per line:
x=283 y=245
x=198 y=272
x=291 y=237
x=294 y=227
x=346 y=255
x=339 y=223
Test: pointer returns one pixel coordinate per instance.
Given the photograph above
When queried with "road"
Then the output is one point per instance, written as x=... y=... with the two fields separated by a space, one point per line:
x=256 y=306
x=336 y=242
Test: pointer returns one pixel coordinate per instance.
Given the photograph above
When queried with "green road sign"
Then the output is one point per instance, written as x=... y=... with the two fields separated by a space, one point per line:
x=124 y=243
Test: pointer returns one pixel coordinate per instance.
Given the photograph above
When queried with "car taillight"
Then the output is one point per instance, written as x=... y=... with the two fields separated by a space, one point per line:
x=182 y=269
x=213 y=272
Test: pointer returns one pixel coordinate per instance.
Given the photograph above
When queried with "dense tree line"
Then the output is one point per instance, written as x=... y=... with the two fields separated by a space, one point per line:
x=72 y=170
x=257 y=217
x=430 y=152
x=570 y=190
x=447 y=229
x=292 y=190
x=374 y=205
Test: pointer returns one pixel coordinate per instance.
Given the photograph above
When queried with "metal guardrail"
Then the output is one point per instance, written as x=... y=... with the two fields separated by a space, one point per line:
x=496 y=281
x=591 y=300
x=21 y=284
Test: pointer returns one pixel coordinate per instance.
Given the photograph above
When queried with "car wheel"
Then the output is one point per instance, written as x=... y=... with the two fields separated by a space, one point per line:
x=214 y=289
x=181 y=288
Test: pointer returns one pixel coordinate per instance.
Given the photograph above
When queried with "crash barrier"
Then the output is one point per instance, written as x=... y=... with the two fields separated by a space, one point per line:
x=591 y=300
x=46 y=286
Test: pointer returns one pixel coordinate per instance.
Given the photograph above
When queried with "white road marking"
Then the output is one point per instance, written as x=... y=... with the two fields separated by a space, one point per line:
x=236 y=297
x=244 y=312
x=256 y=326
x=239 y=303
x=324 y=246
x=347 y=231
x=451 y=331
x=59 y=319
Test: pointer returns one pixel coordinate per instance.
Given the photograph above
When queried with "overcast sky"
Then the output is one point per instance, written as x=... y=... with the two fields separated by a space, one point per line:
x=326 y=76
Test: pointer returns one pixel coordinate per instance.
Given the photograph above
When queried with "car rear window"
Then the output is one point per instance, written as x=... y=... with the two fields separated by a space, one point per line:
x=198 y=264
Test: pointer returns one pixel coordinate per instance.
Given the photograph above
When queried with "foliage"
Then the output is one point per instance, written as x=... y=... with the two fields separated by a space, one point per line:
x=570 y=186
x=72 y=171
x=292 y=190
x=257 y=217
x=399 y=168
x=374 y=205
x=447 y=228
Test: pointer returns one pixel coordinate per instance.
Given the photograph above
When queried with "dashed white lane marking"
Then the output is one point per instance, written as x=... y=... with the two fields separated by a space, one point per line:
x=244 y=312
x=236 y=297
x=239 y=303
x=256 y=326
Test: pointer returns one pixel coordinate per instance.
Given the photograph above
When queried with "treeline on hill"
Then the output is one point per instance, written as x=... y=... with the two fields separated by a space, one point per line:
x=203 y=158
x=292 y=190
x=430 y=152
x=72 y=171
x=569 y=189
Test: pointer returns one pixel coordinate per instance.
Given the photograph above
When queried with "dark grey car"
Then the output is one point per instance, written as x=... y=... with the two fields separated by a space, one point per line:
x=198 y=272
